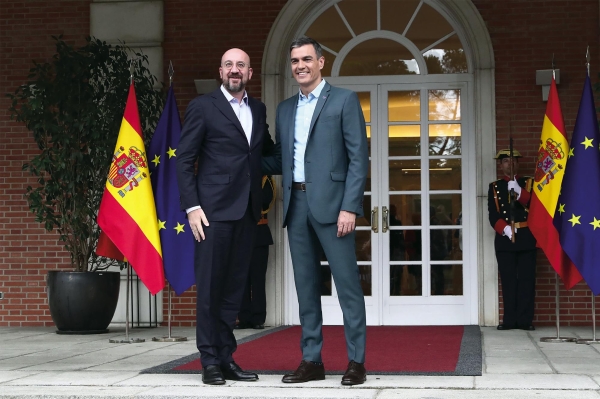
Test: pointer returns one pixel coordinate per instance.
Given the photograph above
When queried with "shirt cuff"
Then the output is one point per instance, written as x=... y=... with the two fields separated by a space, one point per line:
x=193 y=208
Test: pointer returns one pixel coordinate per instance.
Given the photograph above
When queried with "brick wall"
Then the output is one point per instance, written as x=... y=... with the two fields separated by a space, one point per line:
x=524 y=35
x=27 y=251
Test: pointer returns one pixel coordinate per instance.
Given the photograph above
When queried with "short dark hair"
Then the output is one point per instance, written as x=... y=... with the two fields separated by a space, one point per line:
x=303 y=41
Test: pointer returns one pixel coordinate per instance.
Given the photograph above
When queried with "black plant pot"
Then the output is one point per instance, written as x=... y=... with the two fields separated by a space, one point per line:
x=83 y=302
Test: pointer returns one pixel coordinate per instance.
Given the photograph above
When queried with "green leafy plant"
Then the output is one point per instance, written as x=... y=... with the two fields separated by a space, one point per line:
x=73 y=106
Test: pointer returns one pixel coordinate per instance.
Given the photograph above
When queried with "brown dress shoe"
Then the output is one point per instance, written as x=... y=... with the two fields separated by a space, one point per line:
x=355 y=374
x=307 y=371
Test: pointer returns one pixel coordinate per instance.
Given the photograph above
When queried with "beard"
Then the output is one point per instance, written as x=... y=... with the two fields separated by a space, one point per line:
x=234 y=88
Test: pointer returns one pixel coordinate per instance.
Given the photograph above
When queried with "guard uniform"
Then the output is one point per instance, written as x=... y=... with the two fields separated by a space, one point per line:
x=253 y=311
x=516 y=261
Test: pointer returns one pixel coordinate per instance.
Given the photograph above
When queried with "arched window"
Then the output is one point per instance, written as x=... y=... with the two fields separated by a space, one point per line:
x=387 y=37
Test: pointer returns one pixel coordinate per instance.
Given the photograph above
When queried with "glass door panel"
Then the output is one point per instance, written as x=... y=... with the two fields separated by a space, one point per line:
x=423 y=263
x=409 y=241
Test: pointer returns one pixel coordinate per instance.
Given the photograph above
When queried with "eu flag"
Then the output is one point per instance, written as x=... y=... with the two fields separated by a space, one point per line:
x=577 y=216
x=175 y=234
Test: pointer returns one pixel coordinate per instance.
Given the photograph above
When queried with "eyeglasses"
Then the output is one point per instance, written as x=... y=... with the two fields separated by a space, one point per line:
x=229 y=64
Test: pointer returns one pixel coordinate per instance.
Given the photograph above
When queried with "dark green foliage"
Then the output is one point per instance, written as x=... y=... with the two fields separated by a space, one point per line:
x=74 y=106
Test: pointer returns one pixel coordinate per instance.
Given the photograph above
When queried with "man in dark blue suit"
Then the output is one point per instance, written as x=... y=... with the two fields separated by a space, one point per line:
x=322 y=154
x=223 y=132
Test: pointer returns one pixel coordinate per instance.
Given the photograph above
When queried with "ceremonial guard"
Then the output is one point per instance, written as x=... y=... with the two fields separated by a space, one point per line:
x=514 y=243
x=254 y=304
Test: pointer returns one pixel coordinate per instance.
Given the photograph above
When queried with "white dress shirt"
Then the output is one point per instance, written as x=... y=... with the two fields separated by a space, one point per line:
x=244 y=115
x=242 y=111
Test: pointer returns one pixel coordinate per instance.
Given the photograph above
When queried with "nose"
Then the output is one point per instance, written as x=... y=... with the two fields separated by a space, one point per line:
x=234 y=68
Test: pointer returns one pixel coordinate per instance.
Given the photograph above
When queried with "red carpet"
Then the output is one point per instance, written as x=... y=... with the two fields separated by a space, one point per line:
x=390 y=349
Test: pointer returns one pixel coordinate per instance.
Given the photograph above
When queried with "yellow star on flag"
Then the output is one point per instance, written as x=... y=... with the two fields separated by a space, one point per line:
x=156 y=160
x=571 y=153
x=561 y=208
x=596 y=223
x=179 y=228
x=574 y=220
x=171 y=152
x=161 y=224
x=587 y=142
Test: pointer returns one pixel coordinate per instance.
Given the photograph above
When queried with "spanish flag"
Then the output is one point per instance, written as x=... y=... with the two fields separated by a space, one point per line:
x=127 y=214
x=550 y=170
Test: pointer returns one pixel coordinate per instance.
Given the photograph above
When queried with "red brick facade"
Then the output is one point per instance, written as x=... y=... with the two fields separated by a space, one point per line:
x=524 y=35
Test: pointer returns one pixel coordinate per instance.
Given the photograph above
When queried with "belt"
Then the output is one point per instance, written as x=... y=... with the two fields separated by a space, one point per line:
x=263 y=221
x=299 y=186
x=520 y=225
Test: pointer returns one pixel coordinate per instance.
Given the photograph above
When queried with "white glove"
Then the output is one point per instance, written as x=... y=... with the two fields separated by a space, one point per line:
x=508 y=232
x=514 y=185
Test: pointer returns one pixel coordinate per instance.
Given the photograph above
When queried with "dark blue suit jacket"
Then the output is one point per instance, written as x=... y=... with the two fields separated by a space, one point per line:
x=229 y=169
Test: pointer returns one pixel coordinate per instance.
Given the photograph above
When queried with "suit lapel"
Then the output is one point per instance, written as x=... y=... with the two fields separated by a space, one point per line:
x=223 y=105
x=320 y=103
x=253 y=108
x=292 y=123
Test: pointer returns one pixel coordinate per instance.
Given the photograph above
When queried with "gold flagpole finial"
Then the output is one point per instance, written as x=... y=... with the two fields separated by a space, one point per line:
x=587 y=60
x=131 y=69
x=171 y=73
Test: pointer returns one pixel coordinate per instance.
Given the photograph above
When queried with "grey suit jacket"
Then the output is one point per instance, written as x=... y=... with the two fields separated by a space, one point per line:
x=336 y=161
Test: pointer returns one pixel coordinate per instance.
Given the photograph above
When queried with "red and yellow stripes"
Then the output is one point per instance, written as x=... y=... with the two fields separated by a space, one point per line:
x=550 y=170
x=127 y=213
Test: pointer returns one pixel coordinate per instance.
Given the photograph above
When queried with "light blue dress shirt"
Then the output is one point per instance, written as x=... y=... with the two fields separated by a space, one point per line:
x=304 y=113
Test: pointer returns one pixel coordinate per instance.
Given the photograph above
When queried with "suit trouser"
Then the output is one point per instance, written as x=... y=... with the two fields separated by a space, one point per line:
x=307 y=237
x=254 y=302
x=221 y=266
x=517 y=273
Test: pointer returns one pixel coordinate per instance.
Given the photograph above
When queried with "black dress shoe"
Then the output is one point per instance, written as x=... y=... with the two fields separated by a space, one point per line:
x=232 y=371
x=503 y=327
x=306 y=371
x=259 y=326
x=355 y=374
x=212 y=375
x=243 y=326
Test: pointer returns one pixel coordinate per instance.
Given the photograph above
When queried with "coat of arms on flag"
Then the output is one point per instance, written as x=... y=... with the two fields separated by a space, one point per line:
x=547 y=166
x=125 y=169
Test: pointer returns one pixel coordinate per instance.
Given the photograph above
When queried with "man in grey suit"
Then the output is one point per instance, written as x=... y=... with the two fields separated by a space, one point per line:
x=322 y=153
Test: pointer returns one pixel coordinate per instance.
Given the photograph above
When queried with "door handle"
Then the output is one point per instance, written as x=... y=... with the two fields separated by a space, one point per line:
x=375 y=219
x=386 y=219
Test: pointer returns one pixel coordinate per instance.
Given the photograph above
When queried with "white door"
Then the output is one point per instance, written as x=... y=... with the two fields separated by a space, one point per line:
x=410 y=243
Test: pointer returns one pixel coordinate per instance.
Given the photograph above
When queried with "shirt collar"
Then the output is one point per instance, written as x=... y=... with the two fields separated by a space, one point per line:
x=229 y=97
x=316 y=92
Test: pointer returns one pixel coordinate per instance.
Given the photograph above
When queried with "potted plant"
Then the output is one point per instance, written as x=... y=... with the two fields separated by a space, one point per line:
x=73 y=106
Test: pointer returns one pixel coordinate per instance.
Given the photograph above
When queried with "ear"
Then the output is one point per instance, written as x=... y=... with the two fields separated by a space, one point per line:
x=321 y=62
x=249 y=73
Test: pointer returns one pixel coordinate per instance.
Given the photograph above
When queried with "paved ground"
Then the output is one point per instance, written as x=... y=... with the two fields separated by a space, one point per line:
x=36 y=362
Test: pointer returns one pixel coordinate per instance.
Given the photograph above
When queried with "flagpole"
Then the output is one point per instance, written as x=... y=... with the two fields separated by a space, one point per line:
x=169 y=338
x=558 y=338
x=593 y=340
x=127 y=340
